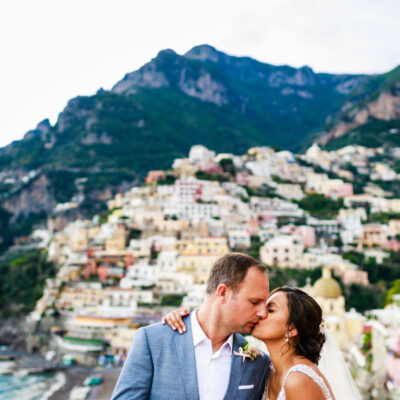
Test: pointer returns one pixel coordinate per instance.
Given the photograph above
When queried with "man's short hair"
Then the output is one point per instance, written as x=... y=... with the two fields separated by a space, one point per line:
x=230 y=270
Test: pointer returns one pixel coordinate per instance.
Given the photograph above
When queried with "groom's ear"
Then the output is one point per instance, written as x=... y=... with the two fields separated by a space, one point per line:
x=222 y=291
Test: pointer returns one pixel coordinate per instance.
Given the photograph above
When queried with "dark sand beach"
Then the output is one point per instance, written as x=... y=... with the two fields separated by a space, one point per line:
x=76 y=375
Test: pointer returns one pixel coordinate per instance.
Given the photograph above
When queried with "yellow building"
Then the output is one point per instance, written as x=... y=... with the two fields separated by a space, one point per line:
x=171 y=226
x=116 y=202
x=328 y=294
x=117 y=242
x=394 y=227
x=80 y=298
x=216 y=246
x=96 y=327
x=121 y=340
x=201 y=229
x=196 y=264
x=185 y=168
x=198 y=255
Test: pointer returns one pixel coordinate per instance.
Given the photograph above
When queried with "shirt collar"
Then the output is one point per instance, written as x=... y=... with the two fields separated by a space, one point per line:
x=199 y=335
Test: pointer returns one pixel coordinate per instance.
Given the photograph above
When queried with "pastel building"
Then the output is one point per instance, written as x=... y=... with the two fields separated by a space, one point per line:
x=327 y=292
x=393 y=360
x=374 y=235
x=239 y=238
x=394 y=227
x=284 y=251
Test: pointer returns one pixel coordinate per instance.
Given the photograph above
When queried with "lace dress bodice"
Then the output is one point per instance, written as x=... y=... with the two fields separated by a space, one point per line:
x=304 y=369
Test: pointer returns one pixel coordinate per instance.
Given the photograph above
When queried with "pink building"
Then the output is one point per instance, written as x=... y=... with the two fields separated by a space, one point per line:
x=345 y=190
x=188 y=190
x=393 y=245
x=251 y=227
x=154 y=176
x=211 y=168
x=306 y=233
x=374 y=235
x=355 y=276
x=393 y=362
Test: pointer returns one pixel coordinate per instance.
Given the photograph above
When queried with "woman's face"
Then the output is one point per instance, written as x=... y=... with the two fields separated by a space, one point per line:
x=273 y=327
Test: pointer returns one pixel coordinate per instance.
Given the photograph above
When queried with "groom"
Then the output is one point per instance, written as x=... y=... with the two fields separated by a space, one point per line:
x=202 y=363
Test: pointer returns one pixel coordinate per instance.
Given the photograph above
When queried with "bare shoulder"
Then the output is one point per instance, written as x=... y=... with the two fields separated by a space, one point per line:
x=299 y=386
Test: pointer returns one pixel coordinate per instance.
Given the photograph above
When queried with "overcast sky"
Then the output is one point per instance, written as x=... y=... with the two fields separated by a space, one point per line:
x=53 y=50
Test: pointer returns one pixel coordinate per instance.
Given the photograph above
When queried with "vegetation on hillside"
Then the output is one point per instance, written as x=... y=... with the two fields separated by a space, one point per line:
x=376 y=133
x=22 y=281
x=320 y=206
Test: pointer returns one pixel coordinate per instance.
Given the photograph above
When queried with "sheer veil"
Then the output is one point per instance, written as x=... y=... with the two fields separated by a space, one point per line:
x=333 y=366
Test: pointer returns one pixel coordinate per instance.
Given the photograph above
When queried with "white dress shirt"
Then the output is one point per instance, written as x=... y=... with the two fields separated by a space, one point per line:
x=213 y=370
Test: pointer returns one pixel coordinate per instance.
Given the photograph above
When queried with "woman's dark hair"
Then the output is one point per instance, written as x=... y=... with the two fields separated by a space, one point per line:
x=305 y=315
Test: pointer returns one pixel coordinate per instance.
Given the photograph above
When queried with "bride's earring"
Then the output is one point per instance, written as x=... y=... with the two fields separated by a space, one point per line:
x=287 y=337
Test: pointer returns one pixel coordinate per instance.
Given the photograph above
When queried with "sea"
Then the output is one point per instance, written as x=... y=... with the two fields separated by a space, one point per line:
x=28 y=387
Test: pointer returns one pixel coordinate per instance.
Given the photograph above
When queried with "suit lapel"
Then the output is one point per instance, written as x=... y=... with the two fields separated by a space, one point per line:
x=187 y=361
x=238 y=368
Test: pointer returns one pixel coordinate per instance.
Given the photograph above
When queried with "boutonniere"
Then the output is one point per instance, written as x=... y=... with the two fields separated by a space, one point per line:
x=248 y=351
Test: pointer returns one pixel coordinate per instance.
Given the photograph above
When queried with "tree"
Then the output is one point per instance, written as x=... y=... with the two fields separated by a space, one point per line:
x=395 y=289
x=227 y=166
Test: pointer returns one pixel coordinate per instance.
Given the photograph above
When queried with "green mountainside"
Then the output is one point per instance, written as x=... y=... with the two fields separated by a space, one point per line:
x=157 y=113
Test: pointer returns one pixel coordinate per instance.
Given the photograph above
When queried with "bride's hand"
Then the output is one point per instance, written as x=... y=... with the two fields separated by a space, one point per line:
x=174 y=319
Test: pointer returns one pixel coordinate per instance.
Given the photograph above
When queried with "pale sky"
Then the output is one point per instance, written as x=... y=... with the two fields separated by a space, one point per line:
x=54 y=50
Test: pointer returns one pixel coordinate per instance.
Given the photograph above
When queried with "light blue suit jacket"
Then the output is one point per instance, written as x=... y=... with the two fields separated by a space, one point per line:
x=161 y=365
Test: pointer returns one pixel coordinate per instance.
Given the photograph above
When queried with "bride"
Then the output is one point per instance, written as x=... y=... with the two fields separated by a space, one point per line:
x=293 y=333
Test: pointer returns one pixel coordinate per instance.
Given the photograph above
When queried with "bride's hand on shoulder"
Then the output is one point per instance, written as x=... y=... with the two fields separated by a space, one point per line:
x=174 y=319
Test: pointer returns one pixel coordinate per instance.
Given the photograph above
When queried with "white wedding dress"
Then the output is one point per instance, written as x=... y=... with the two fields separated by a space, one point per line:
x=304 y=369
x=334 y=369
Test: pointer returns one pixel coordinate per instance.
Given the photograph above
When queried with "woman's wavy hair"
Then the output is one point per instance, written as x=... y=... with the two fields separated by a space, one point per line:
x=305 y=315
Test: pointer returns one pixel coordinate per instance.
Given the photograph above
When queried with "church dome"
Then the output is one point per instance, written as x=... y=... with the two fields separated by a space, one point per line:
x=326 y=287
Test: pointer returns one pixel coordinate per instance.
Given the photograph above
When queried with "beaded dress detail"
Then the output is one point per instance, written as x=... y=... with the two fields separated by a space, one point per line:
x=304 y=369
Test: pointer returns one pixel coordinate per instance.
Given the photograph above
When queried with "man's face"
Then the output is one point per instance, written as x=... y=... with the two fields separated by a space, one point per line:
x=245 y=307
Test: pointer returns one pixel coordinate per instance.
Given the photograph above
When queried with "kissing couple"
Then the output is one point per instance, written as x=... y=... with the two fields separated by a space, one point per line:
x=205 y=357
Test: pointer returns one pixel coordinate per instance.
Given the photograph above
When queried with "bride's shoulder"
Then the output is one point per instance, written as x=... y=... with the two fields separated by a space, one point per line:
x=302 y=386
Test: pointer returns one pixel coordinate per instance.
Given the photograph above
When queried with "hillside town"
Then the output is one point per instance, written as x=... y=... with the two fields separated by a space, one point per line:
x=151 y=251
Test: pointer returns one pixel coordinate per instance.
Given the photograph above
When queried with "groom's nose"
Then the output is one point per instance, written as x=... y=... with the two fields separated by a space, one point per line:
x=262 y=311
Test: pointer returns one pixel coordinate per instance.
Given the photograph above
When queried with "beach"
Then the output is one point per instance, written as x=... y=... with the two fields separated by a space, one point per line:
x=75 y=375
x=56 y=386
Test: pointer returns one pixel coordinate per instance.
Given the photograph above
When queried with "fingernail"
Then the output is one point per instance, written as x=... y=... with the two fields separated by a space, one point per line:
x=174 y=328
x=184 y=329
x=180 y=331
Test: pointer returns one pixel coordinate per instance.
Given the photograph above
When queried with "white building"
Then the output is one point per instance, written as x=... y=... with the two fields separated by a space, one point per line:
x=139 y=274
x=195 y=297
x=199 y=153
x=239 y=238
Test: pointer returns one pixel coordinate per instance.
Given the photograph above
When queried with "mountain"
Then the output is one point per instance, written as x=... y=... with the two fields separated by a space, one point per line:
x=370 y=116
x=174 y=101
x=155 y=114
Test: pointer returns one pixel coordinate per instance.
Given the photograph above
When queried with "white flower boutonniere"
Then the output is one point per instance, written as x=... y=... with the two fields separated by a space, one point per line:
x=248 y=351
